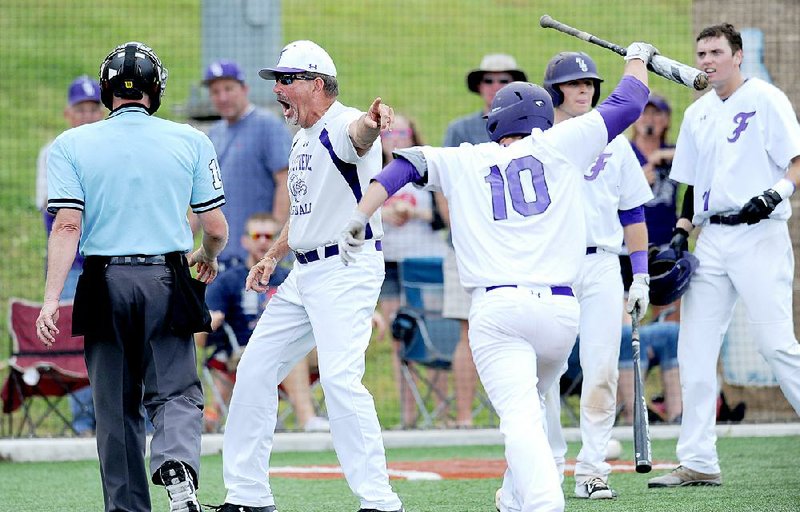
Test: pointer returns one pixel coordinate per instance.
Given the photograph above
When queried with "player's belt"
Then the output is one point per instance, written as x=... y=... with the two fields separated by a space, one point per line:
x=555 y=290
x=138 y=259
x=329 y=250
x=726 y=220
x=591 y=250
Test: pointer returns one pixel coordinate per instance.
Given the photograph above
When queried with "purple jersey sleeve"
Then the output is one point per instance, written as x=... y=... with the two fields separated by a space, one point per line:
x=632 y=216
x=396 y=174
x=624 y=105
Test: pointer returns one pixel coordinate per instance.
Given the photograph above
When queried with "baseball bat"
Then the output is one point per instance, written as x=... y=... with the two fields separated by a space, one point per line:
x=641 y=427
x=665 y=67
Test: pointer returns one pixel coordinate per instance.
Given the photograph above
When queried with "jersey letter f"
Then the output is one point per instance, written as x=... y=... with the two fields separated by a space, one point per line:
x=740 y=118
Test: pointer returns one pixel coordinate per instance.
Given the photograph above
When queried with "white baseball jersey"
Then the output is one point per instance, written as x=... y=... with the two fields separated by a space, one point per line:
x=735 y=149
x=326 y=184
x=517 y=211
x=614 y=182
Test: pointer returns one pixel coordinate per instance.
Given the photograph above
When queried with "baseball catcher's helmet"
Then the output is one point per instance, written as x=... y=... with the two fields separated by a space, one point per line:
x=569 y=66
x=670 y=275
x=130 y=70
x=518 y=108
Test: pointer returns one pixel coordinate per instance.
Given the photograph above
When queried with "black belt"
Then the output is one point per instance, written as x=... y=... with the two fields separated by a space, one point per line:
x=555 y=290
x=329 y=250
x=727 y=220
x=139 y=259
x=591 y=250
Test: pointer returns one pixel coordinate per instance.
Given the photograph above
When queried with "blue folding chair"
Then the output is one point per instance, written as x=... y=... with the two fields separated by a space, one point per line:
x=428 y=340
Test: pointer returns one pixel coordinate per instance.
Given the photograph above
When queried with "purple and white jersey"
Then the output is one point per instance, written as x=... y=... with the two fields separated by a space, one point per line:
x=327 y=178
x=614 y=182
x=735 y=149
x=517 y=211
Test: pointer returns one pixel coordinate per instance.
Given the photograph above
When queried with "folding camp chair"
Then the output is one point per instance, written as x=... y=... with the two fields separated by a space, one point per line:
x=40 y=374
x=428 y=340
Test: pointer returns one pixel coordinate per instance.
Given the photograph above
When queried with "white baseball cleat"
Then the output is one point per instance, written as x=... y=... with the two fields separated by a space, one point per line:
x=594 y=489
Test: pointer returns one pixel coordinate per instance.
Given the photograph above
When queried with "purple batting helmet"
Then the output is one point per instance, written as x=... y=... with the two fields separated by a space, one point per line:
x=670 y=275
x=518 y=108
x=569 y=66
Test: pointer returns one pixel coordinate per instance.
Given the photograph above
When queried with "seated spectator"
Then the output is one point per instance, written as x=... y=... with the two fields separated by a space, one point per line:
x=234 y=314
x=408 y=218
x=658 y=343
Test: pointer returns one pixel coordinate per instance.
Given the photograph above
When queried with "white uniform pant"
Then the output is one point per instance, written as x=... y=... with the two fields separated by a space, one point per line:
x=520 y=339
x=336 y=303
x=754 y=263
x=600 y=292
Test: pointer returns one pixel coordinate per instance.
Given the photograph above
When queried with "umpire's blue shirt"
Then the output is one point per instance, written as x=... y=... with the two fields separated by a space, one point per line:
x=134 y=177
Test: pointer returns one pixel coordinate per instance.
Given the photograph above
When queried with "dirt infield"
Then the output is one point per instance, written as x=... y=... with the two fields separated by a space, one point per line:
x=450 y=469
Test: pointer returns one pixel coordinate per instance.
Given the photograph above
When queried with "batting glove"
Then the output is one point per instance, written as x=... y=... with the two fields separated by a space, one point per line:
x=352 y=238
x=759 y=207
x=641 y=51
x=679 y=242
x=639 y=294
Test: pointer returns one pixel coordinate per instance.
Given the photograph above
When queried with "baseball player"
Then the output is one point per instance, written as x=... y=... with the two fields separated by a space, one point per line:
x=333 y=157
x=519 y=235
x=614 y=192
x=739 y=153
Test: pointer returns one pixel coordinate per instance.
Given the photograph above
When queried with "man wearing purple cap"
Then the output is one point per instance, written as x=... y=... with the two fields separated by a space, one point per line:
x=253 y=149
x=83 y=107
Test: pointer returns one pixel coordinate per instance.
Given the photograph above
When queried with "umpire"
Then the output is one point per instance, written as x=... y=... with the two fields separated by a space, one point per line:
x=123 y=187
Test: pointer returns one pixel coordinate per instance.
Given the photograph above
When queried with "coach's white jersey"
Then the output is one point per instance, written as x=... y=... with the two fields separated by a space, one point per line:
x=614 y=182
x=516 y=212
x=735 y=149
x=327 y=178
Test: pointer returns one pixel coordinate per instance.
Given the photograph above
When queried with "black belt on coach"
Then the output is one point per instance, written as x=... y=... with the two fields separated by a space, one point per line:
x=555 y=290
x=329 y=250
x=726 y=220
x=138 y=259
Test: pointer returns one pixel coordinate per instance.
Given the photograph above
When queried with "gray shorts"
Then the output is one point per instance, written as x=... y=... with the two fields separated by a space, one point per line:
x=456 y=299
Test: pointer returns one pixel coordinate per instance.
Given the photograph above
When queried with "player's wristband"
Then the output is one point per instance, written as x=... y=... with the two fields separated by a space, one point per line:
x=639 y=262
x=784 y=188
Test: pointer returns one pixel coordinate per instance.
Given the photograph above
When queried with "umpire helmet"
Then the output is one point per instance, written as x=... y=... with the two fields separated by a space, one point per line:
x=518 y=108
x=566 y=67
x=130 y=70
x=670 y=275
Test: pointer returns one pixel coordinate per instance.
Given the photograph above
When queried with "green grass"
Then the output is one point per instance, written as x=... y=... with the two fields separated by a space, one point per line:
x=759 y=475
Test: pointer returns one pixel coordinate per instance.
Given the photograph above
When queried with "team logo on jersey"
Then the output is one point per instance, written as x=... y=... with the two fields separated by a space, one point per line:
x=598 y=166
x=297 y=186
x=581 y=64
x=741 y=118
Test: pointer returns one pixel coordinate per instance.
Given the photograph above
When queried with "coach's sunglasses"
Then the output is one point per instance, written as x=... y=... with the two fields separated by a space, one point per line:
x=289 y=79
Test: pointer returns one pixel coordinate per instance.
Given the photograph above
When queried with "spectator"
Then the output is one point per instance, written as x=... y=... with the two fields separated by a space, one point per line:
x=83 y=107
x=239 y=309
x=407 y=225
x=495 y=71
x=253 y=149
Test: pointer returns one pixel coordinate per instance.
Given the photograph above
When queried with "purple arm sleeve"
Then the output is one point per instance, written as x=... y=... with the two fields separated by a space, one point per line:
x=639 y=262
x=624 y=105
x=399 y=172
x=632 y=216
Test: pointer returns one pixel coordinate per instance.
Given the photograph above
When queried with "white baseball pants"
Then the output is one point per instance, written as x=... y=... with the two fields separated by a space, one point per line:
x=756 y=264
x=520 y=339
x=336 y=303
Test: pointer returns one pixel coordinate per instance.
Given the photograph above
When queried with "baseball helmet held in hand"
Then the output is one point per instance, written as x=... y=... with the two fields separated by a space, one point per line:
x=131 y=70
x=670 y=275
x=518 y=108
x=566 y=67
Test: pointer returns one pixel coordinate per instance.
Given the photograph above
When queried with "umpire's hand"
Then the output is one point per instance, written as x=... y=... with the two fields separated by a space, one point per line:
x=207 y=268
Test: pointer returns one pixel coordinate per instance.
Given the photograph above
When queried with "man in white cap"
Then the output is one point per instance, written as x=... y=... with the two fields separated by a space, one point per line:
x=334 y=155
x=495 y=72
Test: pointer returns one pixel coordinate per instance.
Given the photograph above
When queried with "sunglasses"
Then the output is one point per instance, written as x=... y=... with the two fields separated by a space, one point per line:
x=265 y=236
x=289 y=79
x=491 y=81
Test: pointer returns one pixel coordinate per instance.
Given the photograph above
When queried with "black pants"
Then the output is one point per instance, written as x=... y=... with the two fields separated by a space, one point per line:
x=140 y=362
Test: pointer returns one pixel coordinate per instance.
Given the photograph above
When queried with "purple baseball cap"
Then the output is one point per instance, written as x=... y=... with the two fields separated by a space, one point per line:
x=223 y=69
x=659 y=102
x=82 y=89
